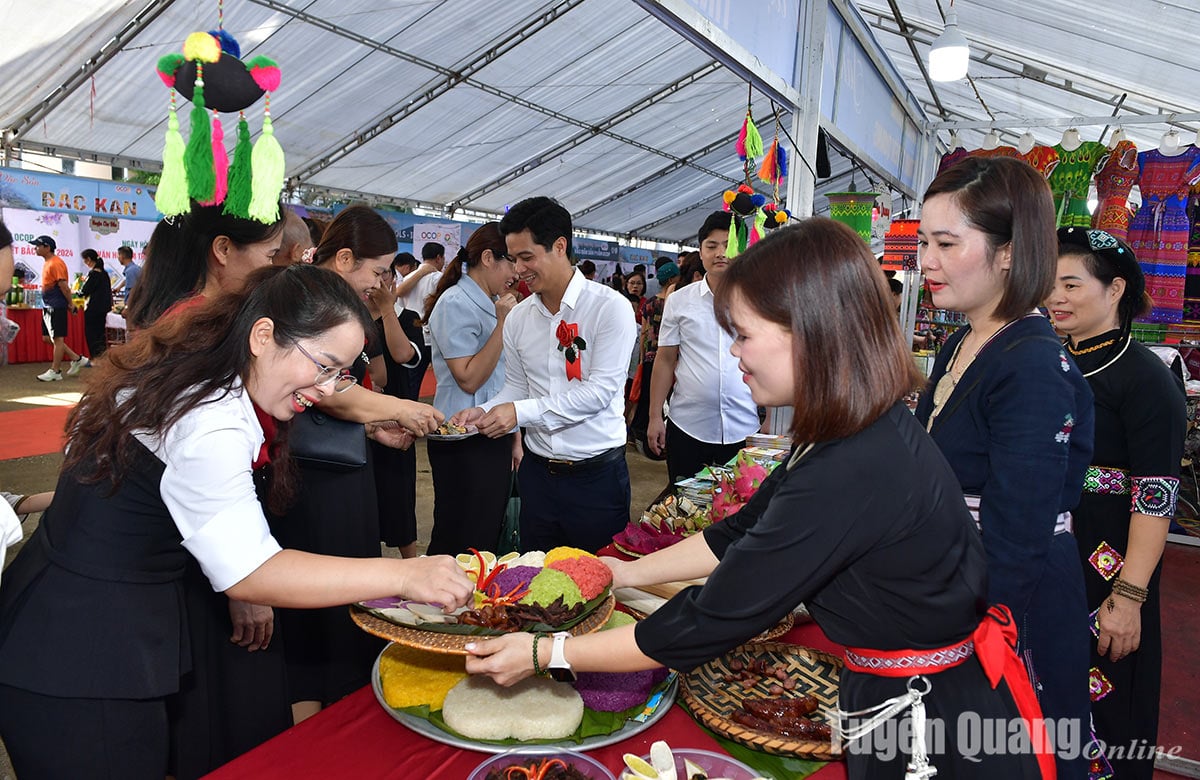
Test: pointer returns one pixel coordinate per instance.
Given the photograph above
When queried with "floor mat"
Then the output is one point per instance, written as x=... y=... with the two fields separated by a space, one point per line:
x=37 y=431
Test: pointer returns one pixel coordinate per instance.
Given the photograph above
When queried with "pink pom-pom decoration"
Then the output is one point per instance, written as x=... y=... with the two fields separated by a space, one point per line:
x=265 y=72
x=740 y=146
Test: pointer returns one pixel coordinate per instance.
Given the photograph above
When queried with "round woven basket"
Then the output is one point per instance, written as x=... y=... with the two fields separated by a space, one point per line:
x=713 y=701
x=455 y=644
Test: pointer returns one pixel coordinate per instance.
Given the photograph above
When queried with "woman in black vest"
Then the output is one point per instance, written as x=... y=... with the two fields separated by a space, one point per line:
x=93 y=627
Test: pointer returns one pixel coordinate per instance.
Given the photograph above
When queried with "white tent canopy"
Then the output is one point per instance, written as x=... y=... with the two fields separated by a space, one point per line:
x=472 y=106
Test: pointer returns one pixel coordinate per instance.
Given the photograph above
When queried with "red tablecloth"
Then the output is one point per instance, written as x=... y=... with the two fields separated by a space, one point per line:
x=355 y=738
x=29 y=347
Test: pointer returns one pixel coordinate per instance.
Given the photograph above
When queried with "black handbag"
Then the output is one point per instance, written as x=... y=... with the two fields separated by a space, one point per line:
x=316 y=439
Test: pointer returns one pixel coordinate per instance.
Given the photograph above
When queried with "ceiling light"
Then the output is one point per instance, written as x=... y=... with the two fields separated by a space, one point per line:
x=949 y=53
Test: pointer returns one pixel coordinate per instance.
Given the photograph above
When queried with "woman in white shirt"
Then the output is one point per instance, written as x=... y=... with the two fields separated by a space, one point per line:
x=93 y=630
x=472 y=476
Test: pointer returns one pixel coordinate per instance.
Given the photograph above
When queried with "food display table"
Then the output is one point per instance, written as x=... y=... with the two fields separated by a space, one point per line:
x=356 y=738
x=29 y=347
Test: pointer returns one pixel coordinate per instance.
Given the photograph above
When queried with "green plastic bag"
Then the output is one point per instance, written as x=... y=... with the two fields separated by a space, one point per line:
x=510 y=531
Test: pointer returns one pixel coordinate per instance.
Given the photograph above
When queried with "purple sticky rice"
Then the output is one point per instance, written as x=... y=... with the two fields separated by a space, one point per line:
x=617 y=691
x=508 y=579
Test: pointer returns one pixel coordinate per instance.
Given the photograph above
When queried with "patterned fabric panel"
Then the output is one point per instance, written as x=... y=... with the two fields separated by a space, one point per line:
x=1155 y=496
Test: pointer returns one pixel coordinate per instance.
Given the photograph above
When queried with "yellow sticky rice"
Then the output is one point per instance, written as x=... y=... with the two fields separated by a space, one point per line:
x=562 y=553
x=413 y=677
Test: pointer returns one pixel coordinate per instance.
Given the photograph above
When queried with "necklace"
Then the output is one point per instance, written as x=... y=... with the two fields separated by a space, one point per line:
x=1114 y=360
x=1092 y=348
x=797 y=455
x=947 y=382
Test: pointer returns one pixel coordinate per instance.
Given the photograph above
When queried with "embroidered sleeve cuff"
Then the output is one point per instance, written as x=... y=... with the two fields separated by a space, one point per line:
x=1155 y=496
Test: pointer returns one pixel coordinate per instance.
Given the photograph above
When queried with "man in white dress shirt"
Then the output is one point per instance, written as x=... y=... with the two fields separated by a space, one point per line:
x=566 y=354
x=712 y=412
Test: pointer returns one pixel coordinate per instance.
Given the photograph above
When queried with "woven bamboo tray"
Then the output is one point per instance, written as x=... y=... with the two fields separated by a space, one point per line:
x=455 y=644
x=713 y=701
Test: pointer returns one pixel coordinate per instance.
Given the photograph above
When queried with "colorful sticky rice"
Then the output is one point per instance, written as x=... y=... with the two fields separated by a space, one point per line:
x=517 y=576
x=589 y=573
x=550 y=585
x=618 y=619
x=411 y=678
x=480 y=709
x=617 y=691
x=562 y=553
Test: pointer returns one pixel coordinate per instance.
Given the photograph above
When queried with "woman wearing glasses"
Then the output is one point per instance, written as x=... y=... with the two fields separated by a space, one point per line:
x=1129 y=494
x=472 y=477
x=93 y=627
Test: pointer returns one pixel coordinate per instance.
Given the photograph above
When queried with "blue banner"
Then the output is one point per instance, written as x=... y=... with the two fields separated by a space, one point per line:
x=37 y=191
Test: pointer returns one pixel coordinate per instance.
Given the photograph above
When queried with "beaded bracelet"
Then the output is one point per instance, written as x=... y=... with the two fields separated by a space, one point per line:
x=538 y=670
x=1130 y=591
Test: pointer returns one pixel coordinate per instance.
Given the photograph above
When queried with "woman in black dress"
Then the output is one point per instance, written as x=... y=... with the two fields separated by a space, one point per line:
x=97 y=288
x=94 y=624
x=863 y=523
x=1129 y=494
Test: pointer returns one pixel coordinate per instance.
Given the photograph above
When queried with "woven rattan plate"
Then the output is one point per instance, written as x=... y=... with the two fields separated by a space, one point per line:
x=712 y=700
x=455 y=644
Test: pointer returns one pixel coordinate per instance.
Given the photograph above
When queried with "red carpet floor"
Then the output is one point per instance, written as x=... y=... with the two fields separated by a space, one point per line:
x=33 y=432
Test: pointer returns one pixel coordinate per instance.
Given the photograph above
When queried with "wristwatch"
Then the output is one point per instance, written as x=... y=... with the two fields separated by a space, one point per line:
x=559 y=669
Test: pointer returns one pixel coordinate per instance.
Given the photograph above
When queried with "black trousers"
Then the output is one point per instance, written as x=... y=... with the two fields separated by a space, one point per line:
x=52 y=738
x=93 y=330
x=686 y=456
x=580 y=507
x=471 y=483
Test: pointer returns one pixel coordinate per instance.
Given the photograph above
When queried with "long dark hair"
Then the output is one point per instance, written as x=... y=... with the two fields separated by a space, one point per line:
x=193 y=357
x=850 y=360
x=359 y=229
x=486 y=236
x=175 y=264
x=1011 y=204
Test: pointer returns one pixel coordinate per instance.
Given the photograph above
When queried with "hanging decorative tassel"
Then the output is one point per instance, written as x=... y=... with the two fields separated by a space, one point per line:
x=766 y=171
x=268 y=172
x=743 y=234
x=731 y=246
x=781 y=164
x=220 y=162
x=760 y=226
x=171 y=198
x=754 y=143
x=740 y=145
x=199 y=155
x=237 y=198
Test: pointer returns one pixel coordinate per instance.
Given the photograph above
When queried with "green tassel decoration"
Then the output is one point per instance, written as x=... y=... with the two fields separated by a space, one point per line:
x=237 y=200
x=267 y=179
x=754 y=142
x=202 y=179
x=731 y=247
x=171 y=198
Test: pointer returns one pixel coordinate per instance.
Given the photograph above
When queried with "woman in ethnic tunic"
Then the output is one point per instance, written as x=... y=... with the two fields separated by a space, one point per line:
x=93 y=623
x=864 y=523
x=1013 y=415
x=1129 y=494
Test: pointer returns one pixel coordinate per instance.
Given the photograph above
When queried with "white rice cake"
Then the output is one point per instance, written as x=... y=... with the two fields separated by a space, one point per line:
x=535 y=708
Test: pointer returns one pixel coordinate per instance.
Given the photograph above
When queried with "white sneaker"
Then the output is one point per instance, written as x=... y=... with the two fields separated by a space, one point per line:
x=78 y=363
x=50 y=375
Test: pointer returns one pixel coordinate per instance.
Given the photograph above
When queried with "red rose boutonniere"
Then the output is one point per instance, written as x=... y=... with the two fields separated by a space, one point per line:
x=571 y=344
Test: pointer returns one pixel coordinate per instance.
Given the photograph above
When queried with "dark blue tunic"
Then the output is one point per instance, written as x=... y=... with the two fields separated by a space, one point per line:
x=1017 y=430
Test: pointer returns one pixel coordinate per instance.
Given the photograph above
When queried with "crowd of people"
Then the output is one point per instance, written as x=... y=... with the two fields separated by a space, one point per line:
x=1001 y=546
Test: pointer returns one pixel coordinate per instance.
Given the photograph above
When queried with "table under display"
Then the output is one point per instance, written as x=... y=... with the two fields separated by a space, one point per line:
x=357 y=738
x=29 y=347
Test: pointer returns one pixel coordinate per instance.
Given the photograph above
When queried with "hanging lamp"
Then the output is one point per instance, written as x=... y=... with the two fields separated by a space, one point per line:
x=950 y=53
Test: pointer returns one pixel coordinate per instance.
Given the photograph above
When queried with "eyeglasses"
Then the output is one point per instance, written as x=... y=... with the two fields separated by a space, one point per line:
x=328 y=375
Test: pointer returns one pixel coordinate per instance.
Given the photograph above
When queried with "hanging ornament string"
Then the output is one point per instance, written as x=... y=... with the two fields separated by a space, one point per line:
x=220 y=14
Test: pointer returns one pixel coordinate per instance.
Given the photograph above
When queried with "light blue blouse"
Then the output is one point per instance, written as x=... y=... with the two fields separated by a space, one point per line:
x=459 y=326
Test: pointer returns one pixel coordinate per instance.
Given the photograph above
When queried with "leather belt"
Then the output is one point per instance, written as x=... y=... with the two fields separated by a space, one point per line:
x=559 y=466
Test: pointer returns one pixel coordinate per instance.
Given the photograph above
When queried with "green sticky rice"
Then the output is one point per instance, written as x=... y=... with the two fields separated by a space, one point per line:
x=618 y=619
x=549 y=585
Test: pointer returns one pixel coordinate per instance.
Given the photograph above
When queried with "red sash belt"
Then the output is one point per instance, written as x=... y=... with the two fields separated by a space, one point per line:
x=995 y=643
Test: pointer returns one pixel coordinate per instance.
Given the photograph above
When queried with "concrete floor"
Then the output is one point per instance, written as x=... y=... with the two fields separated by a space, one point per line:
x=19 y=390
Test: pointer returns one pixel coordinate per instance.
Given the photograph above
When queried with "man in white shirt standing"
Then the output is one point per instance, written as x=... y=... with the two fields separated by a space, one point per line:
x=415 y=290
x=566 y=354
x=712 y=412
